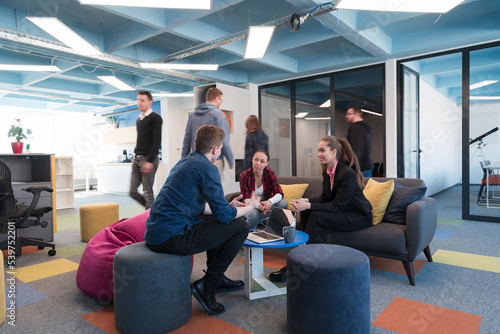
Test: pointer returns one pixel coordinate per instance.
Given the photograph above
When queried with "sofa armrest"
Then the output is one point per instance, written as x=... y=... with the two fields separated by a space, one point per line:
x=229 y=197
x=421 y=223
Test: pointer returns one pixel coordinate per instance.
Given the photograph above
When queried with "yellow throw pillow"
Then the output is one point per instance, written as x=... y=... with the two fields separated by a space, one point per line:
x=378 y=194
x=293 y=191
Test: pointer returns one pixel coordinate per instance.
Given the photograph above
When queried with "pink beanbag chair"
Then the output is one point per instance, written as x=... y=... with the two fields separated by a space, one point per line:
x=95 y=272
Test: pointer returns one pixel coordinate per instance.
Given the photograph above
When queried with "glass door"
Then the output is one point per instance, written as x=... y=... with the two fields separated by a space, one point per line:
x=411 y=124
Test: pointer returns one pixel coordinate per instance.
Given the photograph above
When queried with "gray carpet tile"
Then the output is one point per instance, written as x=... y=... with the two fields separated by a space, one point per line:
x=49 y=316
x=62 y=289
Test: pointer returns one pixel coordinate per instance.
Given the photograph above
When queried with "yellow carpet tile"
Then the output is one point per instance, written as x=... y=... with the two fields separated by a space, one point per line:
x=44 y=270
x=466 y=260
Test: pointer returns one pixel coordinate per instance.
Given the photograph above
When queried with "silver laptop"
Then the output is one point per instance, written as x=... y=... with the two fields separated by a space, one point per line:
x=272 y=232
x=261 y=237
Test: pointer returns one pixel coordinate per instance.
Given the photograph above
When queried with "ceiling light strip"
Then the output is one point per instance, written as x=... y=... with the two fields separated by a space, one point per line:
x=63 y=33
x=173 y=66
x=174 y=4
x=29 y=68
x=59 y=97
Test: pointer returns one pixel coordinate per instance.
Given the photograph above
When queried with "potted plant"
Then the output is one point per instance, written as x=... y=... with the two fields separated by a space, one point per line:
x=115 y=120
x=18 y=133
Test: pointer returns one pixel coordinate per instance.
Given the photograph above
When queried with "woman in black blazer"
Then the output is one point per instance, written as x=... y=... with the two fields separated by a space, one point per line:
x=342 y=205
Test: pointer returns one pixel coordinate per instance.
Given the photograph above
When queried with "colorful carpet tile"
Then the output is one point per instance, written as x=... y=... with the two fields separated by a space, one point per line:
x=466 y=260
x=408 y=316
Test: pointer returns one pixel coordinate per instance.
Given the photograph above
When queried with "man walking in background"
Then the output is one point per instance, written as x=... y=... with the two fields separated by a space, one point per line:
x=146 y=150
x=208 y=113
x=359 y=136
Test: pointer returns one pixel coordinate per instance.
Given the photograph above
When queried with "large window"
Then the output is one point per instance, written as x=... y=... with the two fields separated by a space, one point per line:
x=297 y=114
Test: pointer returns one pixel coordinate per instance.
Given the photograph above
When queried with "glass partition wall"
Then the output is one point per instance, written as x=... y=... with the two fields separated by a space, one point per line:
x=448 y=119
x=297 y=114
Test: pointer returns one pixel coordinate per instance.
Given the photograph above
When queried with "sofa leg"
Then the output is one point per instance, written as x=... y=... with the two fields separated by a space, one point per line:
x=409 y=271
x=427 y=252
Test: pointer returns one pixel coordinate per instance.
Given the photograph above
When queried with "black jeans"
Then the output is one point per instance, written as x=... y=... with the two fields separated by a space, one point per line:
x=313 y=223
x=222 y=243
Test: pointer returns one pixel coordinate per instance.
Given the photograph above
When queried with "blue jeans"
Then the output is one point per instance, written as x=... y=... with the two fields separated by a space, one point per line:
x=367 y=173
x=256 y=216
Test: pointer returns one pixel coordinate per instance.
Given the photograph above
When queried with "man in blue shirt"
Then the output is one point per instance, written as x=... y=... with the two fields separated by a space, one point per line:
x=190 y=215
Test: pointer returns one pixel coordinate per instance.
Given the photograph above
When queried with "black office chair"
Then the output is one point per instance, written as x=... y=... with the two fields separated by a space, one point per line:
x=16 y=216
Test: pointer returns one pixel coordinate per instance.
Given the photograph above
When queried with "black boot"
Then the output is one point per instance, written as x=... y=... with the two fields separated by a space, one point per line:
x=204 y=292
x=227 y=284
x=278 y=276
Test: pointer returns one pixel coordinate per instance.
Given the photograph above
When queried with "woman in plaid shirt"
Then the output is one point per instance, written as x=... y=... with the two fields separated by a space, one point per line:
x=264 y=182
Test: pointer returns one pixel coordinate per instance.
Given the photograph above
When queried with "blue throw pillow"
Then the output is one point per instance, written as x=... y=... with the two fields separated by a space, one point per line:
x=400 y=199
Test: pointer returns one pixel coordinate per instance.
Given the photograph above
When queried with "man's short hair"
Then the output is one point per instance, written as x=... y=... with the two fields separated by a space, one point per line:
x=207 y=137
x=357 y=110
x=145 y=92
x=212 y=94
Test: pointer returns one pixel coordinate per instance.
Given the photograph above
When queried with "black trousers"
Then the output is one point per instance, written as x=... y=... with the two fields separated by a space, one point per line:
x=222 y=243
x=314 y=222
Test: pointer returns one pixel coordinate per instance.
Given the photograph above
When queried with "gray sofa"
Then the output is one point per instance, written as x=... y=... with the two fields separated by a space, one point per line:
x=386 y=240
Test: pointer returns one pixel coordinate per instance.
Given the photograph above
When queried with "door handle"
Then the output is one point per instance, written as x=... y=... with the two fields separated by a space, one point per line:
x=419 y=151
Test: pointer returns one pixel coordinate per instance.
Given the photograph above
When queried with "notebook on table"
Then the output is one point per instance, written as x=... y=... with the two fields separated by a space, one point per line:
x=273 y=231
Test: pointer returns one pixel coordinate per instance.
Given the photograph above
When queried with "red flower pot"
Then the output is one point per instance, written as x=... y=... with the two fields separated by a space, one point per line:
x=17 y=147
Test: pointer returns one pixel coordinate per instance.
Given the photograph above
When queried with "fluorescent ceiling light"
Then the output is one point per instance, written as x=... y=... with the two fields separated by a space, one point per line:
x=174 y=95
x=35 y=68
x=371 y=112
x=484 y=98
x=317 y=118
x=114 y=81
x=482 y=84
x=60 y=31
x=326 y=104
x=258 y=40
x=422 y=6
x=301 y=115
x=170 y=66
x=184 y=4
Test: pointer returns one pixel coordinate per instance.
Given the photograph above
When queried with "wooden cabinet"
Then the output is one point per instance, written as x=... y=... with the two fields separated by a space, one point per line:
x=65 y=197
x=28 y=170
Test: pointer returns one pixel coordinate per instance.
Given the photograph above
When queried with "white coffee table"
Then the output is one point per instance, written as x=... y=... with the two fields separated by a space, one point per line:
x=254 y=266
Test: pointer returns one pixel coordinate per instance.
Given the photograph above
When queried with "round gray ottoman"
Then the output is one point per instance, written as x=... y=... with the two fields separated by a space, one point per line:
x=328 y=290
x=151 y=290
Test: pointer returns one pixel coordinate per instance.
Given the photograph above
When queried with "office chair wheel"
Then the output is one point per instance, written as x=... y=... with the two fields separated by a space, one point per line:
x=52 y=252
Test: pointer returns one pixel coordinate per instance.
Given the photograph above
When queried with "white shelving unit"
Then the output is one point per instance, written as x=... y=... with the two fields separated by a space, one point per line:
x=65 y=197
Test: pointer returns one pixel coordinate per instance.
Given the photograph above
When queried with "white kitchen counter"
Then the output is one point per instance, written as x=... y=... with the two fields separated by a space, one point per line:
x=114 y=178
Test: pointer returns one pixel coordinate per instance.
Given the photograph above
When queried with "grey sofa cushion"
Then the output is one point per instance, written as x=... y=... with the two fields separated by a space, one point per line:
x=383 y=238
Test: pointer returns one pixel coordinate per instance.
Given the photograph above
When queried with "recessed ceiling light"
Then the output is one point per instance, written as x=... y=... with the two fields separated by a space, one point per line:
x=371 y=112
x=326 y=104
x=420 y=6
x=317 y=118
x=191 y=67
x=184 y=4
x=174 y=95
x=32 y=68
x=114 y=81
x=258 y=40
x=301 y=115
x=482 y=84
x=60 y=31
x=484 y=98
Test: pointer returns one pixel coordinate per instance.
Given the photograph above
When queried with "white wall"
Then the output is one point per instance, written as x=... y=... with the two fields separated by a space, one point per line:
x=440 y=140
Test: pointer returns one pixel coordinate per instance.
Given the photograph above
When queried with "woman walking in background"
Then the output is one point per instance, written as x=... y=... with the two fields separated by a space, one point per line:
x=256 y=140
